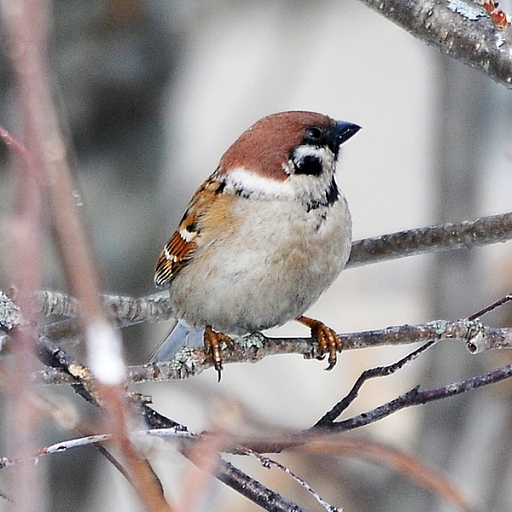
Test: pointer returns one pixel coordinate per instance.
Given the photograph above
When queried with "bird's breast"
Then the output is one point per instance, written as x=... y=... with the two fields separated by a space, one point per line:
x=270 y=263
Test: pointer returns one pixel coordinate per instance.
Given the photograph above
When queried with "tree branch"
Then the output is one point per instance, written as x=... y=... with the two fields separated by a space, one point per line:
x=190 y=362
x=54 y=356
x=475 y=42
x=444 y=237
x=128 y=311
x=416 y=396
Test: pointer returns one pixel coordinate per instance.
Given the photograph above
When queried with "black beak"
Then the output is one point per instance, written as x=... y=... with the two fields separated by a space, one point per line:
x=345 y=130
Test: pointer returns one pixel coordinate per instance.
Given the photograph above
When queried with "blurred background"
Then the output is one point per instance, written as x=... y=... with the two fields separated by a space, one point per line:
x=153 y=92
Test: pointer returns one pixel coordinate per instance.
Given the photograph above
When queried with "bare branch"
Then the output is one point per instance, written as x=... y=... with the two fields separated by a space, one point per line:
x=267 y=462
x=444 y=237
x=54 y=356
x=380 y=371
x=411 y=398
x=190 y=362
x=254 y=347
x=420 y=397
x=125 y=310
x=51 y=303
x=473 y=42
x=155 y=307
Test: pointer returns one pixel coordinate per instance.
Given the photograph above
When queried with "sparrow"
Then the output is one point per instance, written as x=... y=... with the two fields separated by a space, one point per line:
x=262 y=237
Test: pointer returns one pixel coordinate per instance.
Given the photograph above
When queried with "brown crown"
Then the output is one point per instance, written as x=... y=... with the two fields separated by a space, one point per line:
x=264 y=148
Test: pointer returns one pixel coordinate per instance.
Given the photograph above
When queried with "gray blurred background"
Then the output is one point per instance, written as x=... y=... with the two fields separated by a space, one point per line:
x=153 y=92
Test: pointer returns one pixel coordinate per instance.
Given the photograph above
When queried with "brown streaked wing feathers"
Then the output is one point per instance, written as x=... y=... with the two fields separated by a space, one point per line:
x=179 y=250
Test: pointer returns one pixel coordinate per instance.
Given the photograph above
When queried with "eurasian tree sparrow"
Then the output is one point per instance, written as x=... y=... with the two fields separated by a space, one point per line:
x=263 y=236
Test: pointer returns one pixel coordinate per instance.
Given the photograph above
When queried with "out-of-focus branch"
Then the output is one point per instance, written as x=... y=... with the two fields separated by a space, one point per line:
x=47 y=154
x=408 y=465
x=475 y=42
x=314 y=442
x=24 y=230
x=83 y=382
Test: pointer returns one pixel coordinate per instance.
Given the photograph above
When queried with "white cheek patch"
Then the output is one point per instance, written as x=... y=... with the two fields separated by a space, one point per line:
x=322 y=154
x=239 y=180
x=308 y=189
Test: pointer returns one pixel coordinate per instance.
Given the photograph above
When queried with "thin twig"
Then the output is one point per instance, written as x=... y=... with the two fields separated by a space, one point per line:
x=268 y=462
x=416 y=396
x=95 y=439
x=253 y=490
x=15 y=145
x=491 y=307
x=380 y=371
x=55 y=356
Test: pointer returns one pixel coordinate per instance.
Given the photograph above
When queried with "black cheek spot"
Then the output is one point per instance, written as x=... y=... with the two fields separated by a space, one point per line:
x=310 y=165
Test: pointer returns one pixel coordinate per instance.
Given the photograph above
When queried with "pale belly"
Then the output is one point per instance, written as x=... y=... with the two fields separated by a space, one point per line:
x=271 y=275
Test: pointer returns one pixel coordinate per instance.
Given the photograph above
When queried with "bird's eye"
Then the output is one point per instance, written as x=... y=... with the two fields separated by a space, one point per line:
x=313 y=135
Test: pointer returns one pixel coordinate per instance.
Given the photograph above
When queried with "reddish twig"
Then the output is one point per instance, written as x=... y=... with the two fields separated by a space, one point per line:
x=25 y=229
x=48 y=149
x=408 y=465
x=15 y=145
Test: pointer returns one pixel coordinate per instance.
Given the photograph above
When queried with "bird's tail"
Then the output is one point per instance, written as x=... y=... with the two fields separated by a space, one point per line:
x=182 y=335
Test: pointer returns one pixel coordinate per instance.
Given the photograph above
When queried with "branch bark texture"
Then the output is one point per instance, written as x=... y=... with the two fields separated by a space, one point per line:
x=476 y=43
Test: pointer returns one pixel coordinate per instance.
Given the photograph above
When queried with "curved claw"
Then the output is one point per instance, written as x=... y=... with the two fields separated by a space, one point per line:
x=212 y=341
x=326 y=338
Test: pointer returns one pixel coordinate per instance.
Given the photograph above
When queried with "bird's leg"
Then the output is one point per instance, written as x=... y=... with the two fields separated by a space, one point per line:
x=212 y=341
x=326 y=338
